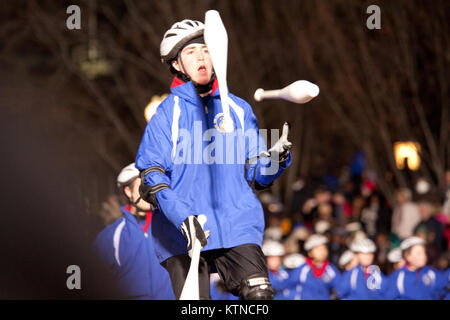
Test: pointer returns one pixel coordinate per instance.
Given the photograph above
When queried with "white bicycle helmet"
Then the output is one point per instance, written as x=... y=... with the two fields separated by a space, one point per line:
x=345 y=258
x=395 y=255
x=294 y=260
x=177 y=36
x=129 y=173
x=314 y=241
x=363 y=246
x=410 y=242
x=272 y=248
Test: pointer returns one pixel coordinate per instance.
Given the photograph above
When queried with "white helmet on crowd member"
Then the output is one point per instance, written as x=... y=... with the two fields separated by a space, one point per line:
x=353 y=227
x=127 y=175
x=322 y=226
x=363 y=246
x=273 y=233
x=177 y=36
x=410 y=242
x=314 y=241
x=272 y=248
x=294 y=260
x=395 y=255
x=359 y=235
x=345 y=258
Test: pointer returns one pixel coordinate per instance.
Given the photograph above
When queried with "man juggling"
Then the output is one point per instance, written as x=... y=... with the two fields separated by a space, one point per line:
x=191 y=165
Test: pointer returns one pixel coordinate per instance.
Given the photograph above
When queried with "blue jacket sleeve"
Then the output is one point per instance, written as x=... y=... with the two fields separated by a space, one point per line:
x=264 y=171
x=155 y=150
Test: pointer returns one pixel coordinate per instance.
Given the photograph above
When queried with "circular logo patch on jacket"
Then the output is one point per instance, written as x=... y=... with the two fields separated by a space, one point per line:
x=219 y=123
x=426 y=280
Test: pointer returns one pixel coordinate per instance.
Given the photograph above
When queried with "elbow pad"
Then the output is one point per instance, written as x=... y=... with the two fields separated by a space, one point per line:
x=148 y=193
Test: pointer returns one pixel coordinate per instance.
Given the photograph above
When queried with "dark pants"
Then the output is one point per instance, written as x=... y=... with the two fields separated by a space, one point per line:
x=234 y=266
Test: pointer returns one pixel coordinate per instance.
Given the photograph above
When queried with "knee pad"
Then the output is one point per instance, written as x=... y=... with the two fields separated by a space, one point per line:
x=256 y=287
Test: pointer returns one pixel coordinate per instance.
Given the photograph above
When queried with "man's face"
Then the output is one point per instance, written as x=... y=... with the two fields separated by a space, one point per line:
x=416 y=257
x=195 y=61
x=319 y=253
x=401 y=199
x=273 y=263
x=365 y=259
x=132 y=193
x=425 y=211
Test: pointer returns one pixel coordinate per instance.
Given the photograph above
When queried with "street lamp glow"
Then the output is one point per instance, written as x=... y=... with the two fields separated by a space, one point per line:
x=150 y=109
x=407 y=150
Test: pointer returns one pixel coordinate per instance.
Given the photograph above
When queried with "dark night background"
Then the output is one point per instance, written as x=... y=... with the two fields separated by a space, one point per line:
x=72 y=107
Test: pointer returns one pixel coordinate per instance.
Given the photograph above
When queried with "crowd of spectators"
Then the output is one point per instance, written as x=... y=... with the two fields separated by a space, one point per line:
x=356 y=208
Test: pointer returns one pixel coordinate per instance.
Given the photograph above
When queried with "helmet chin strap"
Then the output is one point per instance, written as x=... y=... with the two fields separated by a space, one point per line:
x=134 y=204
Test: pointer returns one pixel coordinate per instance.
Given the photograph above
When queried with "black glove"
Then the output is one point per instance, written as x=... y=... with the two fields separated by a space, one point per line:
x=146 y=194
x=191 y=229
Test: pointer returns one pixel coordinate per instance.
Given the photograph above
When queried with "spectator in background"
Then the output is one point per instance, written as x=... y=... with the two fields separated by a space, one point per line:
x=325 y=212
x=384 y=217
x=340 y=205
x=354 y=232
x=357 y=207
x=299 y=194
x=322 y=196
x=127 y=246
x=293 y=289
x=406 y=214
x=294 y=242
x=383 y=247
x=443 y=263
x=445 y=194
x=317 y=276
x=278 y=277
x=433 y=229
x=337 y=245
x=369 y=216
x=365 y=281
x=415 y=280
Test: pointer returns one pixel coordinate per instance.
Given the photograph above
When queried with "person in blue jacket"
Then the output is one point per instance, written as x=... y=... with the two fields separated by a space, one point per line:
x=291 y=263
x=278 y=276
x=415 y=280
x=317 y=277
x=127 y=246
x=365 y=281
x=192 y=164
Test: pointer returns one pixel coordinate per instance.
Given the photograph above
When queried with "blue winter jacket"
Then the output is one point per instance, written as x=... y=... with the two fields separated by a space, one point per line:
x=424 y=284
x=130 y=253
x=314 y=287
x=195 y=168
x=284 y=286
x=355 y=285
